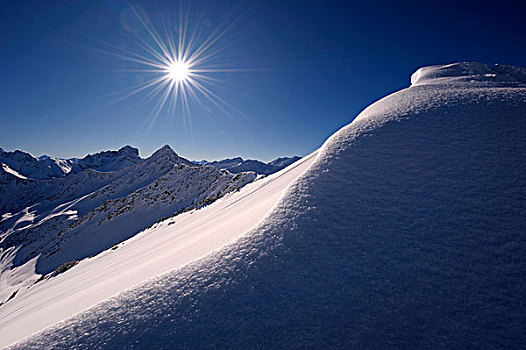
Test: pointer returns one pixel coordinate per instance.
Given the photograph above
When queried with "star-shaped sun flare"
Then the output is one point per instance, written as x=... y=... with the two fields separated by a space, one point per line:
x=178 y=65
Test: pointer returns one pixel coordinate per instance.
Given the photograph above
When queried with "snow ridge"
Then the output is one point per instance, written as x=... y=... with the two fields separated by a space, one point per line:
x=28 y=166
x=470 y=72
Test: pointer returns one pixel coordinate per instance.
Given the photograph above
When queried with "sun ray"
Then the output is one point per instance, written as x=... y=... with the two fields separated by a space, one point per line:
x=183 y=61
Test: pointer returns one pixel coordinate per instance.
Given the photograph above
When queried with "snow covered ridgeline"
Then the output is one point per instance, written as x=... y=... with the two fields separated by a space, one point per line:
x=20 y=165
x=407 y=231
x=26 y=166
x=470 y=72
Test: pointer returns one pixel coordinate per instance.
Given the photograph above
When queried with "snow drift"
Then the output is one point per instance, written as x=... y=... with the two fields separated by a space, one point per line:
x=407 y=231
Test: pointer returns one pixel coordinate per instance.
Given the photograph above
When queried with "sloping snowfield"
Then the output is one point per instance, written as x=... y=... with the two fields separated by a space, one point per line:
x=406 y=231
x=172 y=244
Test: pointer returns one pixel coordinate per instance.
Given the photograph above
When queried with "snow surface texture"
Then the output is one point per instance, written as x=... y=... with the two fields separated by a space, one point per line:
x=407 y=231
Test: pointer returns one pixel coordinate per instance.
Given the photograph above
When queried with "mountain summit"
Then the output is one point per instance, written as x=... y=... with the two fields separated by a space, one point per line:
x=110 y=160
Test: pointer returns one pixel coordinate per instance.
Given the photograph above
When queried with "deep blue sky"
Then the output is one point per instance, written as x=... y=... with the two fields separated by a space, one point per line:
x=313 y=66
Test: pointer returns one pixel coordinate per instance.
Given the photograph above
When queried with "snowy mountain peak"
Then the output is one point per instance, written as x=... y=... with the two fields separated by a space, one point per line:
x=29 y=166
x=166 y=149
x=167 y=154
x=19 y=155
x=123 y=151
x=111 y=160
x=164 y=152
x=468 y=72
x=129 y=151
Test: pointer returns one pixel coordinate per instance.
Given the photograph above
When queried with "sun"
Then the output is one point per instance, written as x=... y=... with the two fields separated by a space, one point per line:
x=177 y=64
x=178 y=71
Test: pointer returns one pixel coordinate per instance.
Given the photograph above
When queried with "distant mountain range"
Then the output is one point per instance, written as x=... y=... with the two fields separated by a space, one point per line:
x=64 y=210
x=238 y=165
x=24 y=165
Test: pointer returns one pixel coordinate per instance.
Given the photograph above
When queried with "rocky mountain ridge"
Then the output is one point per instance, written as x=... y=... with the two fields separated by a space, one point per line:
x=50 y=222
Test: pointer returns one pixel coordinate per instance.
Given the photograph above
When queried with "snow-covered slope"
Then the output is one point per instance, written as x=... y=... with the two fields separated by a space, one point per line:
x=5 y=169
x=406 y=231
